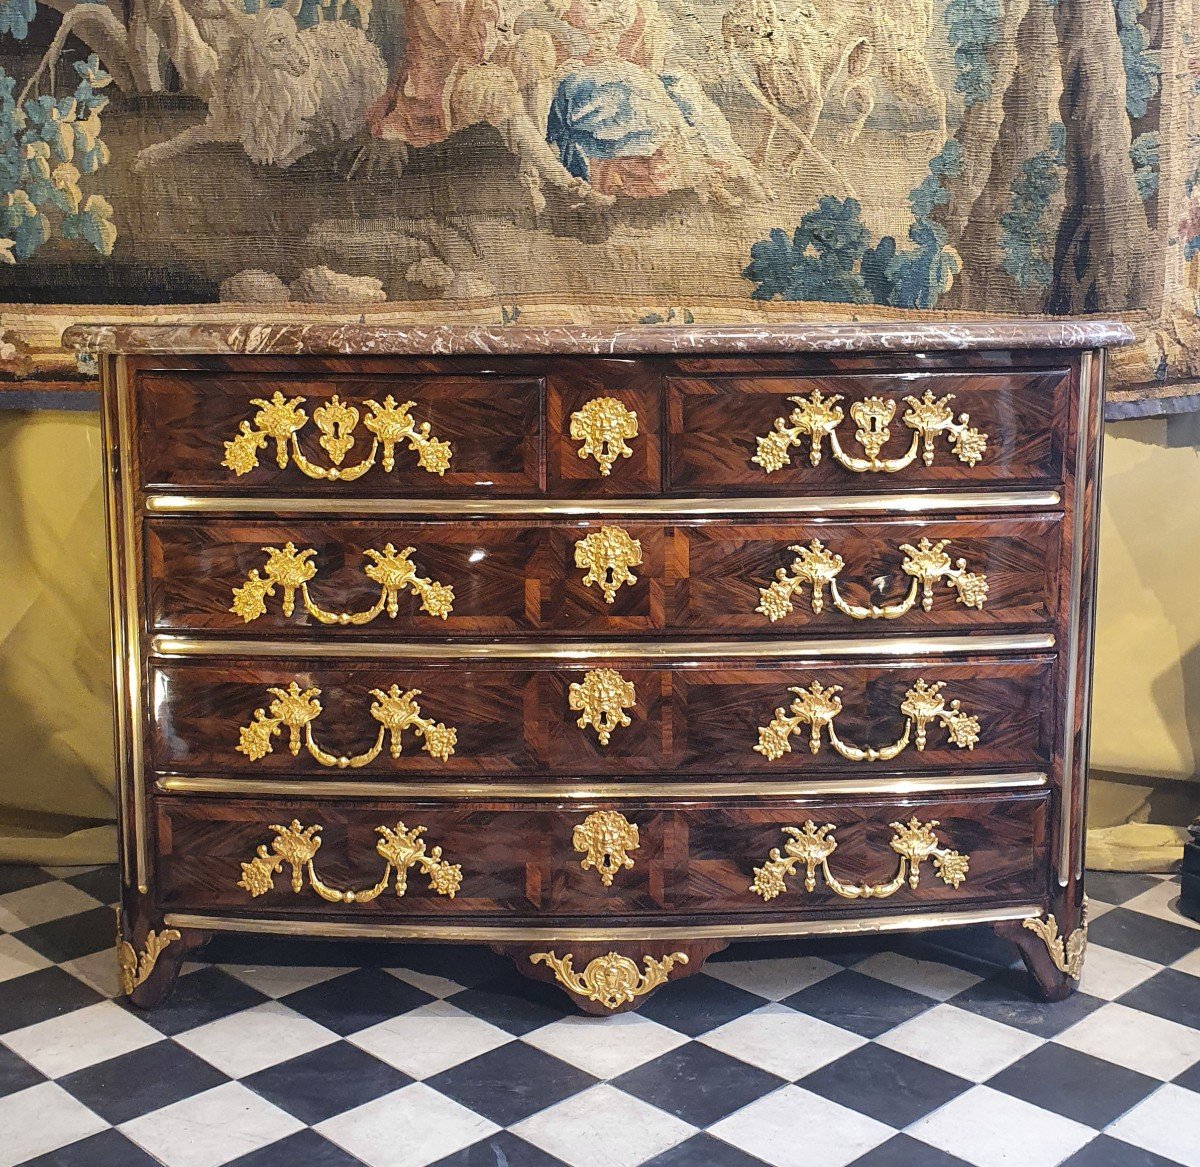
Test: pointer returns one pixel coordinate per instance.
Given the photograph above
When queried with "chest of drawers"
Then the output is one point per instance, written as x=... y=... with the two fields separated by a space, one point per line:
x=602 y=648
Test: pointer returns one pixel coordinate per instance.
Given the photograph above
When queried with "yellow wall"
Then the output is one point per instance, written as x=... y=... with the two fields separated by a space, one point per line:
x=55 y=732
x=1147 y=684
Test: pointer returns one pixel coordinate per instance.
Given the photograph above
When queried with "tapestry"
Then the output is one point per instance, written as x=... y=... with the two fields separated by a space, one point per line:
x=609 y=160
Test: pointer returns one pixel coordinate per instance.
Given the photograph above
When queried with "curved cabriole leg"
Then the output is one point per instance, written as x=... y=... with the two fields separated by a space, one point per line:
x=612 y=977
x=149 y=956
x=1052 y=946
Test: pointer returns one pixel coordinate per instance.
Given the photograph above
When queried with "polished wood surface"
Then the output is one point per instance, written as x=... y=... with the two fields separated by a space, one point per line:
x=516 y=578
x=695 y=717
x=518 y=861
x=514 y=719
x=714 y=422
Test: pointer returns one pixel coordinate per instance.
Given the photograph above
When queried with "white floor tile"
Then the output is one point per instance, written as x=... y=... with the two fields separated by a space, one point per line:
x=603 y=1125
x=211 y=1128
x=1108 y=973
x=1167 y=1123
x=82 y=1038
x=793 y=1127
x=427 y=982
x=430 y=1038
x=605 y=1047
x=41 y=1119
x=1160 y=901
x=9 y=922
x=45 y=902
x=278 y=980
x=1190 y=963
x=411 y=1127
x=780 y=1040
x=928 y=977
x=1151 y=1045
x=254 y=1039
x=991 y=1129
x=67 y=872
x=17 y=959
x=960 y=1042
x=773 y=979
x=97 y=969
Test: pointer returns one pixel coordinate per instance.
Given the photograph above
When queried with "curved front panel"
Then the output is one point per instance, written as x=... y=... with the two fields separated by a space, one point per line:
x=620 y=720
x=345 y=580
x=411 y=859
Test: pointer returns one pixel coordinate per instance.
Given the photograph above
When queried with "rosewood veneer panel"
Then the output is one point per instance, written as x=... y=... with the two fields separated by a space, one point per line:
x=714 y=421
x=514 y=718
x=518 y=859
x=519 y=577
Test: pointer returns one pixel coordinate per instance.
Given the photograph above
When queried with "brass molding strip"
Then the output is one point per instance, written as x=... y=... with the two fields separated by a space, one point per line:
x=912 y=502
x=837 y=926
x=110 y=442
x=700 y=651
x=1071 y=648
x=1091 y=391
x=129 y=663
x=596 y=791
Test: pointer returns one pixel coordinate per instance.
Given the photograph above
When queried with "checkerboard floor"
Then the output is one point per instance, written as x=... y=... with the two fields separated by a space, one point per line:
x=882 y=1053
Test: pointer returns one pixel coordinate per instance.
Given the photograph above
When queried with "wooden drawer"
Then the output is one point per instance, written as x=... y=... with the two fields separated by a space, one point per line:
x=1013 y=432
x=516 y=578
x=515 y=428
x=547 y=859
x=202 y=431
x=522 y=717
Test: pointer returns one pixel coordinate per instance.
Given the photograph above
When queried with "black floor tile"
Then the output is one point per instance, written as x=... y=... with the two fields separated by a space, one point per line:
x=1116 y=887
x=862 y=1004
x=325 y=1082
x=18 y=876
x=16 y=1073
x=700 y=1004
x=888 y=1086
x=107 y=1149
x=103 y=883
x=1106 y=1152
x=1141 y=935
x=1076 y=1085
x=247 y=948
x=904 y=1151
x=1008 y=998
x=303 y=1149
x=704 y=1151
x=198 y=998
x=1190 y=1079
x=467 y=965
x=40 y=995
x=698 y=1084
x=72 y=936
x=513 y=1003
x=510 y=1083
x=503 y=1149
x=1171 y=994
x=356 y=1000
x=136 y=1083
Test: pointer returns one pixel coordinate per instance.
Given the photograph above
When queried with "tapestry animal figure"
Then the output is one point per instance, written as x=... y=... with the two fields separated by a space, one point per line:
x=478 y=62
x=282 y=92
x=826 y=47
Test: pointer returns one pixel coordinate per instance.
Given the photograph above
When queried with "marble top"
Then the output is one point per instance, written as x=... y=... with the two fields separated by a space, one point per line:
x=477 y=339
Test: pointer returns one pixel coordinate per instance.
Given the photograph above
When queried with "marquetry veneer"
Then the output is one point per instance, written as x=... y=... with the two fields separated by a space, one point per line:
x=603 y=648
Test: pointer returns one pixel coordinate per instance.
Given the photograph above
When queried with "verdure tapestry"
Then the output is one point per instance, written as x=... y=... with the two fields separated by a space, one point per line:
x=606 y=161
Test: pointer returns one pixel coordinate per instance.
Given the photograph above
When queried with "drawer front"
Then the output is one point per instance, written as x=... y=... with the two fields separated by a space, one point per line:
x=621 y=720
x=355 y=580
x=649 y=859
x=865 y=432
x=205 y=432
